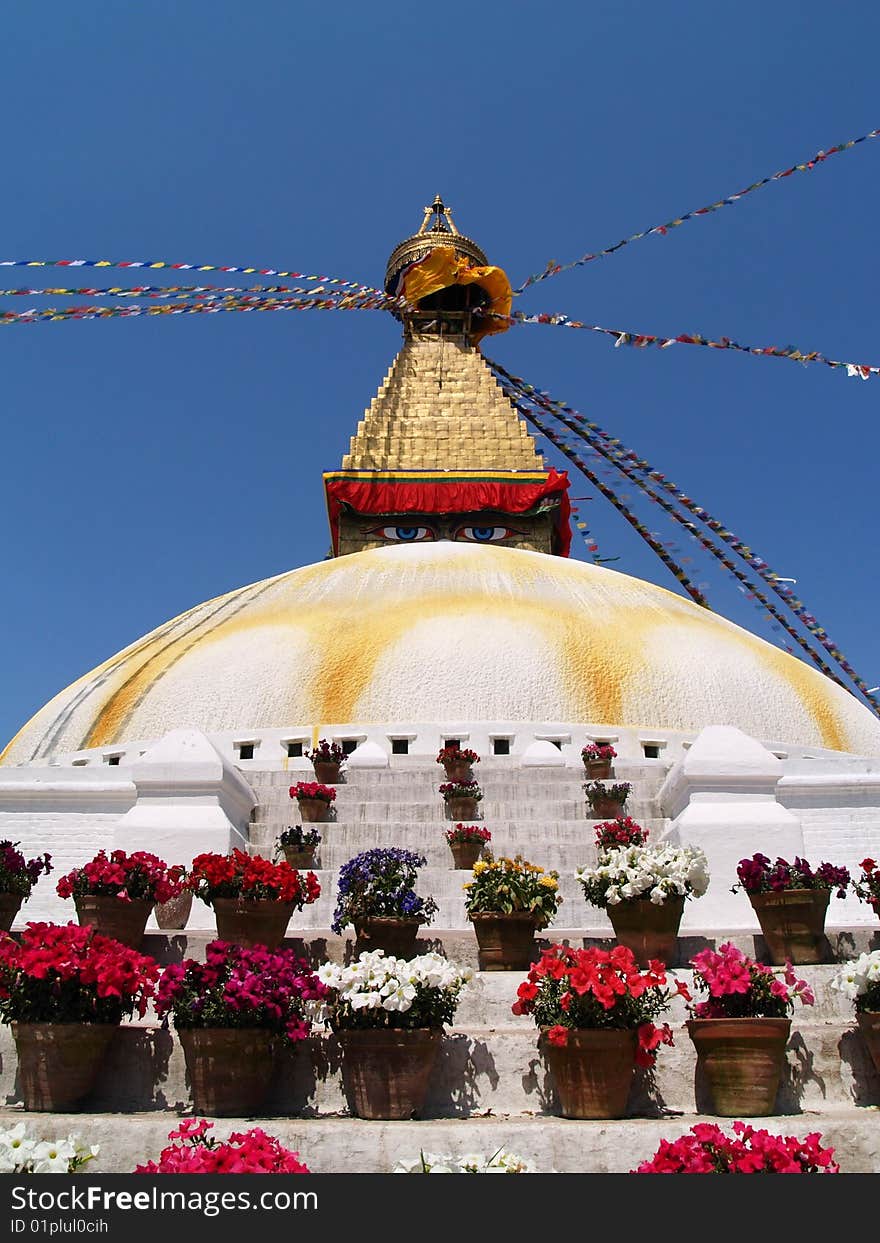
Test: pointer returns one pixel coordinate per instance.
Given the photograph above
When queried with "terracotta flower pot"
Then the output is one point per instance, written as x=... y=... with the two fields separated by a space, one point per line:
x=461 y=808
x=386 y=1073
x=465 y=854
x=114 y=917
x=58 y=1063
x=598 y=770
x=259 y=921
x=175 y=912
x=458 y=770
x=592 y=1072
x=742 y=1060
x=314 y=810
x=327 y=771
x=649 y=930
x=793 y=924
x=230 y=1069
x=506 y=942
x=869 y=1026
x=10 y=905
x=397 y=937
x=300 y=857
x=605 y=808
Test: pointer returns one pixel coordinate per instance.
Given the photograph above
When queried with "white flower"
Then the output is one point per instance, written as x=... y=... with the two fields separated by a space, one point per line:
x=855 y=979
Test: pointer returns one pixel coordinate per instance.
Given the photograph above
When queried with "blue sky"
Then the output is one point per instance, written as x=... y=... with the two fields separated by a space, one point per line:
x=150 y=464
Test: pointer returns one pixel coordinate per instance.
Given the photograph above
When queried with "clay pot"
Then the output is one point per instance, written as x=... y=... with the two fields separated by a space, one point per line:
x=649 y=930
x=114 y=917
x=386 y=1073
x=793 y=924
x=314 y=810
x=300 y=858
x=10 y=905
x=458 y=770
x=598 y=770
x=256 y=921
x=605 y=808
x=396 y=936
x=592 y=1072
x=327 y=771
x=742 y=1060
x=58 y=1063
x=869 y=1026
x=230 y=1069
x=461 y=808
x=465 y=854
x=175 y=912
x=506 y=942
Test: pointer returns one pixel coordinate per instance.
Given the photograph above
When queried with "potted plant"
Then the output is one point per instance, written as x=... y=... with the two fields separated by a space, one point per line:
x=791 y=901
x=22 y=1154
x=388 y=1015
x=17 y=878
x=117 y=892
x=65 y=988
x=643 y=890
x=499 y=1162
x=461 y=798
x=507 y=901
x=193 y=1151
x=328 y=759
x=466 y=841
x=867 y=887
x=607 y=802
x=376 y=894
x=597 y=757
x=230 y=1013
x=458 y=762
x=859 y=981
x=620 y=832
x=253 y=898
x=741 y=1030
x=595 y=1011
x=313 y=799
x=174 y=912
x=298 y=845
x=707 y=1150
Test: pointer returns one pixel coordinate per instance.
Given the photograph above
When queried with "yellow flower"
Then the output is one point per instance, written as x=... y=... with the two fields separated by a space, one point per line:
x=479 y=868
x=548 y=882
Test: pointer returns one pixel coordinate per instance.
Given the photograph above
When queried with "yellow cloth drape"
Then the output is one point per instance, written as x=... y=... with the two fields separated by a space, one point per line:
x=442 y=267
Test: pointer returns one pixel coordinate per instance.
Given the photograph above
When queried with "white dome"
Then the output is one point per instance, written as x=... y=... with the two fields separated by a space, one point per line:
x=448 y=632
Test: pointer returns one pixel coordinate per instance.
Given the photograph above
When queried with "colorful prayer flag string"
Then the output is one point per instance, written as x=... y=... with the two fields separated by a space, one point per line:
x=553 y=269
x=351 y=302
x=587 y=429
x=156 y=264
x=166 y=291
x=751 y=589
x=641 y=340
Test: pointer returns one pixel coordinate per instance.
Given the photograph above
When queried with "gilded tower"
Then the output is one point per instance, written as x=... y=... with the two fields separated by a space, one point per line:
x=440 y=452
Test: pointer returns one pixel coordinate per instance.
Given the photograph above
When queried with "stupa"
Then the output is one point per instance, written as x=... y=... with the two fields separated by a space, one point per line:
x=450 y=611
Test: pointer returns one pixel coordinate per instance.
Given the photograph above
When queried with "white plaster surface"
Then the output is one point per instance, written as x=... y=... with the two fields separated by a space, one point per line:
x=447 y=631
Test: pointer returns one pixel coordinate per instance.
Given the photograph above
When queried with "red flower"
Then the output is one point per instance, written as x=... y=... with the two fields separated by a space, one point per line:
x=558 y=1035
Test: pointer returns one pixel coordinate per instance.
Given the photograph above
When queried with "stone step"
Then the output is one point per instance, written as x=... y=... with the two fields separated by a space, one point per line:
x=331 y=856
x=479 y=1068
x=319 y=945
x=351 y=1145
x=365 y=810
x=417 y=777
x=526 y=834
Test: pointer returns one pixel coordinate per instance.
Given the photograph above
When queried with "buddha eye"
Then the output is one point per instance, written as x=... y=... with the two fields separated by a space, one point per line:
x=403 y=535
x=485 y=535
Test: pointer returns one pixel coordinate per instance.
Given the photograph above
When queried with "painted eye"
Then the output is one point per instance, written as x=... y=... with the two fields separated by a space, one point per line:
x=404 y=535
x=485 y=535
